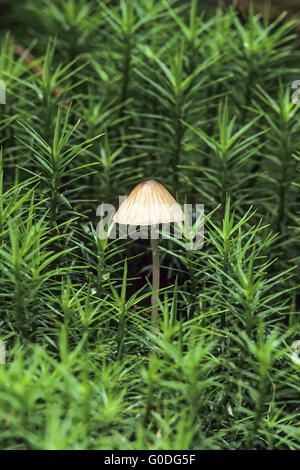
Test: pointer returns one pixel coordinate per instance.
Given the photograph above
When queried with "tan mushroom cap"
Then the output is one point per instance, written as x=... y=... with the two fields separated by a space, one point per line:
x=149 y=203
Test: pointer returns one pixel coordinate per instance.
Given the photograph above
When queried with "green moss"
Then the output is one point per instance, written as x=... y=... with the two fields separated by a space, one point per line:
x=114 y=93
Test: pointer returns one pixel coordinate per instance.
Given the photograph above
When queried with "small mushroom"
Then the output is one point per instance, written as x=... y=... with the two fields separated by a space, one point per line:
x=149 y=203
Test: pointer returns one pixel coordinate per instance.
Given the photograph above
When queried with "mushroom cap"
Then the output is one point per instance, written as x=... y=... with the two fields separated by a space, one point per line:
x=149 y=203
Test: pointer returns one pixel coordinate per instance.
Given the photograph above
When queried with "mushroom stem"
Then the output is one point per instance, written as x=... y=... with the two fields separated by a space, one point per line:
x=155 y=283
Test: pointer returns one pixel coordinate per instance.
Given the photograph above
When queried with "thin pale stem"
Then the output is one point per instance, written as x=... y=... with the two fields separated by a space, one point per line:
x=155 y=283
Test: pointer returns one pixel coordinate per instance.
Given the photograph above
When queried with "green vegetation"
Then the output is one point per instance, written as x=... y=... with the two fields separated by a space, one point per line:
x=114 y=93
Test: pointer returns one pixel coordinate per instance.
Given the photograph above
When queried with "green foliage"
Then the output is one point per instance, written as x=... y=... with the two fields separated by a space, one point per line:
x=114 y=92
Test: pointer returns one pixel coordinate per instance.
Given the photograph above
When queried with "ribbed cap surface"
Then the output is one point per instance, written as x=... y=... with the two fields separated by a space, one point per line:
x=149 y=203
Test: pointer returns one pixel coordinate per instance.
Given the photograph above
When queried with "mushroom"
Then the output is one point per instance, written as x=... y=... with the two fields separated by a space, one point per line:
x=149 y=203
